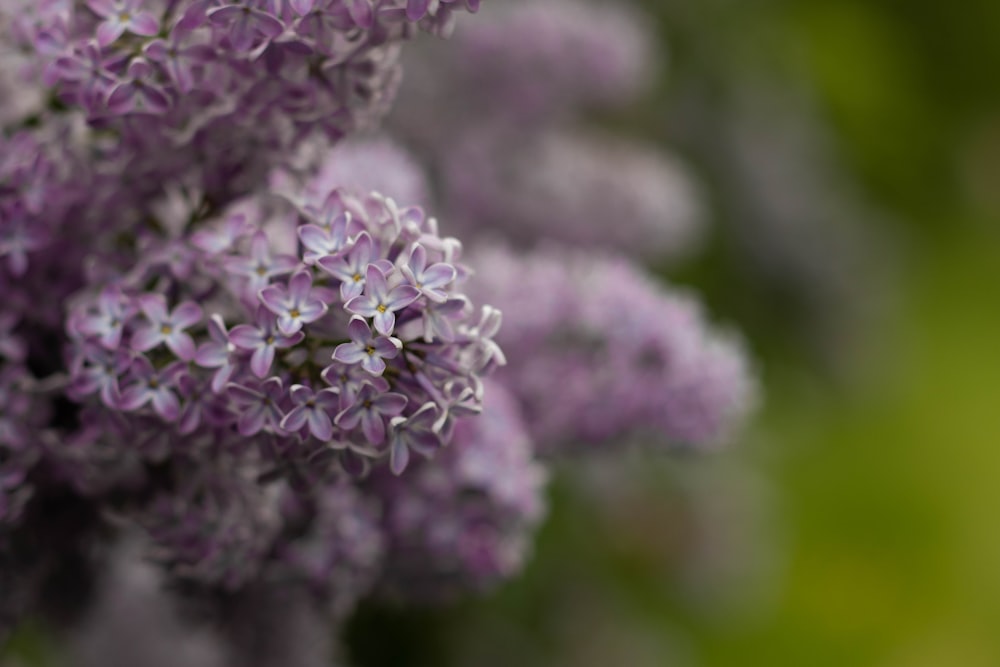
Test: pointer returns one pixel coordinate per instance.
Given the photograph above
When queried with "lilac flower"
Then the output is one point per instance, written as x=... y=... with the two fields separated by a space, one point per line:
x=262 y=340
x=121 y=16
x=152 y=386
x=370 y=410
x=167 y=327
x=294 y=305
x=100 y=370
x=246 y=24
x=261 y=266
x=379 y=302
x=218 y=353
x=438 y=317
x=368 y=350
x=415 y=432
x=428 y=279
x=260 y=407
x=322 y=241
x=18 y=237
x=312 y=409
x=114 y=312
x=348 y=380
x=350 y=269
x=179 y=60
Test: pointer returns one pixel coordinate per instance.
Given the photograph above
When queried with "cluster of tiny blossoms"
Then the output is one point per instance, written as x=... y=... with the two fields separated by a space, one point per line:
x=357 y=342
x=522 y=164
x=219 y=86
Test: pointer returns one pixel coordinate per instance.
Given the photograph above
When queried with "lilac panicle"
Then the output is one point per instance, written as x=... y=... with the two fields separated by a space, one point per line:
x=463 y=520
x=603 y=353
x=278 y=367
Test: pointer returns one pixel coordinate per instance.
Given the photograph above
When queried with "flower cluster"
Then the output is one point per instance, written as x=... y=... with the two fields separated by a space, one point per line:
x=552 y=177
x=464 y=521
x=602 y=353
x=357 y=343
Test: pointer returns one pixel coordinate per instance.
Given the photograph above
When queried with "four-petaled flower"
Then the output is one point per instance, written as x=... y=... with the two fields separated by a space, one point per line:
x=121 y=16
x=370 y=410
x=365 y=349
x=246 y=24
x=137 y=92
x=322 y=241
x=380 y=302
x=294 y=305
x=217 y=353
x=167 y=327
x=312 y=409
x=153 y=386
x=415 y=432
x=109 y=322
x=100 y=370
x=350 y=268
x=428 y=279
x=260 y=266
x=262 y=340
x=259 y=407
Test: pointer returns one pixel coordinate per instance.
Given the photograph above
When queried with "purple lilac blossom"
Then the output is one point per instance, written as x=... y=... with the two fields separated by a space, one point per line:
x=463 y=521
x=284 y=378
x=624 y=356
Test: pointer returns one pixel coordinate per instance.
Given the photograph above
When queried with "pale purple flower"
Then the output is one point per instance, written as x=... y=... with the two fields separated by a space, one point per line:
x=167 y=327
x=365 y=349
x=246 y=24
x=415 y=432
x=295 y=305
x=348 y=381
x=262 y=340
x=380 y=302
x=456 y=401
x=18 y=237
x=152 y=386
x=259 y=407
x=438 y=317
x=370 y=410
x=350 y=268
x=261 y=265
x=428 y=279
x=100 y=370
x=223 y=236
x=121 y=16
x=114 y=310
x=312 y=409
x=177 y=59
x=321 y=241
x=217 y=353
x=138 y=92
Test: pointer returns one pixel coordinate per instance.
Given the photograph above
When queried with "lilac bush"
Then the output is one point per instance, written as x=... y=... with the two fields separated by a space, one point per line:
x=243 y=352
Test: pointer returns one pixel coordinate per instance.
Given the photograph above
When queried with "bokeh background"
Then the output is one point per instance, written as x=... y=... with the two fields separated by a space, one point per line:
x=850 y=156
x=850 y=151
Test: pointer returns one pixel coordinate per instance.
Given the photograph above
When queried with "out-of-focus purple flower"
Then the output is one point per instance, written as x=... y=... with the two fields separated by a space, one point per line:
x=121 y=16
x=312 y=410
x=114 y=312
x=366 y=349
x=260 y=267
x=370 y=409
x=294 y=305
x=218 y=353
x=380 y=302
x=137 y=93
x=246 y=25
x=167 y=327
x=263 y=340
x=416 y=433
x=259 y=406
x=153 y=386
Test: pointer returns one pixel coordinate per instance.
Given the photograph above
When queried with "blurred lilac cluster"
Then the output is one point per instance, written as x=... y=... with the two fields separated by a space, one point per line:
x=238 y=348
